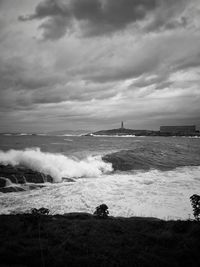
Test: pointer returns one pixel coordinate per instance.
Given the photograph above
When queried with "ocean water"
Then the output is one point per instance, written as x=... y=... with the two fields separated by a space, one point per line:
x=139 y=176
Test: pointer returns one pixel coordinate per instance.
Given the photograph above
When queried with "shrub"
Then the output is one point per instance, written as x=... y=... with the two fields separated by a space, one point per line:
x=101 y=211
x=41 y=211
x=195 y=201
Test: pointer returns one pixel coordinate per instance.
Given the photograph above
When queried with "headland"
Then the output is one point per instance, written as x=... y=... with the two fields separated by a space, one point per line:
x=188 y=130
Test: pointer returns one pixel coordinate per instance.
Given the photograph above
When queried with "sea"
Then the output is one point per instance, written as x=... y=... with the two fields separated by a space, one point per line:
x=157 y=177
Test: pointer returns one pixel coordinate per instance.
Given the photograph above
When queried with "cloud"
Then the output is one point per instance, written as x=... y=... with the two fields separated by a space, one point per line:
x=54 y=28
x=25 y=85
x=47 y=8
x=169 y=15
x=1 y=2
x=159 y=54
x=160 y=80
x=103 y=17
x=144 y=68
x=189 y=62
x=16 y=73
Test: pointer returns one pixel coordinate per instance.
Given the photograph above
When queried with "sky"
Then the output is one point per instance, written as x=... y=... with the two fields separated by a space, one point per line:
x=89 y=64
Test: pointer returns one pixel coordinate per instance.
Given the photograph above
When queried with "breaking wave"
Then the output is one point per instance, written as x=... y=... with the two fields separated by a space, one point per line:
x=56 y=165
x=152 y=158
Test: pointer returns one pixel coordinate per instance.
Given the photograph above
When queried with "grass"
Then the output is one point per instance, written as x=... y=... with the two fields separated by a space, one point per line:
x=84 y=240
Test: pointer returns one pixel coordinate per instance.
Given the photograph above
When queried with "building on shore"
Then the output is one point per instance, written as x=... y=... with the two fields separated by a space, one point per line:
x=122 y=125
x=189 y=129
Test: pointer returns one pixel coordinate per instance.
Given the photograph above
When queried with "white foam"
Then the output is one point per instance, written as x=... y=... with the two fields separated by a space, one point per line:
x=153 y=193
x=95 y=135
x=56 y=165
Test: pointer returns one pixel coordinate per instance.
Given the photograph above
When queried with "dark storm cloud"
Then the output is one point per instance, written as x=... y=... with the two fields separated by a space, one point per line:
x=188 y=62
x=168 y=16
x=132 y=65
x=17 y=79
x=58 y=18
x=10 y=72
x=48 y=8
x=157 y=80
x=25 y=86
x=54 y=28
x=100 y=17
x=160 y=55
x=77 y=91
x=120 y=73
x=16 y=73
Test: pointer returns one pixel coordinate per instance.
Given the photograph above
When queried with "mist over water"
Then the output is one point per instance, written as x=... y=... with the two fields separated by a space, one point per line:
x=157 y=177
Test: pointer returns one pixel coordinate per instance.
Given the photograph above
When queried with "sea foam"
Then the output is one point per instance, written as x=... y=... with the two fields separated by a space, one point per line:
x=56 y=165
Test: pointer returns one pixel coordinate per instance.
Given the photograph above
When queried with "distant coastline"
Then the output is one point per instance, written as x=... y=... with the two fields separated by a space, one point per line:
x=132 y=132
x=166 y=131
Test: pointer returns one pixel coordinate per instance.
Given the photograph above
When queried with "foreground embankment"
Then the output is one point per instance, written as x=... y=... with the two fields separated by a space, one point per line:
x=80 y=239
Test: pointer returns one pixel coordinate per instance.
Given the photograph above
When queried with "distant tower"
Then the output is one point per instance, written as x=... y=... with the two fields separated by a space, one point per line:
x=122 y=125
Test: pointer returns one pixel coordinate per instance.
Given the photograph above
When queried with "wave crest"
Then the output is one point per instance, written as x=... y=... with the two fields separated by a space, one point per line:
x=152 y=158
x=56 y=165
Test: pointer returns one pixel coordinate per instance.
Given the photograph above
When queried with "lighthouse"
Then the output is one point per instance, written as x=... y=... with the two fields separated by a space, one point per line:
x=122 y=125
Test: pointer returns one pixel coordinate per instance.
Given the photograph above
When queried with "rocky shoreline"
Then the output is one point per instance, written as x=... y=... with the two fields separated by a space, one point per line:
x=19 y=178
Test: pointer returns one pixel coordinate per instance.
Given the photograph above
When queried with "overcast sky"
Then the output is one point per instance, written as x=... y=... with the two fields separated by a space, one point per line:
x=88 y=64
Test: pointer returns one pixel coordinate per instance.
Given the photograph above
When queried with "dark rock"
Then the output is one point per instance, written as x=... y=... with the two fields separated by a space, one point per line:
x=21 y=175
x=15 y=188
x=11 y=189
x=2 y=182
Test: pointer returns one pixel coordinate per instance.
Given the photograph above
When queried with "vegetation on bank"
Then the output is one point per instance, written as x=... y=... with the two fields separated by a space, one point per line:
x=82 y=239
x=195 y=202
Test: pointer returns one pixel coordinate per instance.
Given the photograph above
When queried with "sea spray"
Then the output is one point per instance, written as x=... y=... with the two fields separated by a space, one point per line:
x=152 y=193
x=56 y=165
